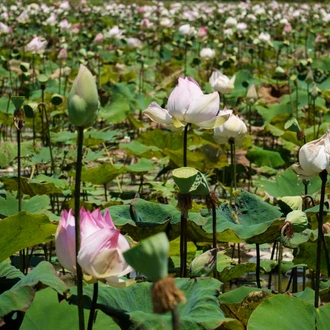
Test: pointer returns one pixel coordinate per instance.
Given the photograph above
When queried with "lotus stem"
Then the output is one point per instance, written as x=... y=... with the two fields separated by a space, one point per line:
x=271 y=258
x=258 y=266
x=183 y=246
x=320 y=238
x=92 y=314
x=184 y=213
x=175 y=318
x=185 y=144
x=233 y=168
x=80 y=302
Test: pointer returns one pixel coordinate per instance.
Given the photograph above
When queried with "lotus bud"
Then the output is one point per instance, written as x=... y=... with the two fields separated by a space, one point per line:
x=315 y=91
x=251 y=96
x=204 y=264
x=309 y=77
x=83 y=100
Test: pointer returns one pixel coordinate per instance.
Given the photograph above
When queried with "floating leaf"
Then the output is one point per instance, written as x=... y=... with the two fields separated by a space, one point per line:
x=251 y=218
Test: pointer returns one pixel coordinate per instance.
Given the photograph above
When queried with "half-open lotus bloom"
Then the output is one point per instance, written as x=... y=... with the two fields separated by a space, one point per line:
x=314 y=157
x=188 y=104
x=102 y=245
x=221 y=83
x=234 y=128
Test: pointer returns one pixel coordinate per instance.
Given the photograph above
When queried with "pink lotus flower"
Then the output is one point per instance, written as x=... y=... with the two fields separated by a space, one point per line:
x=101 y=249
x=188 y=104
x=36 y=46
x=65 y=241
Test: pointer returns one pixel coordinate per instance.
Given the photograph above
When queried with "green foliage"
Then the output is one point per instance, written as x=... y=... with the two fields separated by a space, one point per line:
x=132 y=306
x=23 y=230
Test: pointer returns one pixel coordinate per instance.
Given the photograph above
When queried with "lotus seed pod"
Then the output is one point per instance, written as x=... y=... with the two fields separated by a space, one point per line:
x=189 y=180
x=298 y=220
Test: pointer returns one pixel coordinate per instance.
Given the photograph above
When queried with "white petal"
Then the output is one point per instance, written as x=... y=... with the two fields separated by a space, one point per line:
x=202 y=109
x=158 y=114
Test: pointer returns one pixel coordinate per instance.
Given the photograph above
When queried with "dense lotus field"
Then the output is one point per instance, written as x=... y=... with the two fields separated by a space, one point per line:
x=164 y=165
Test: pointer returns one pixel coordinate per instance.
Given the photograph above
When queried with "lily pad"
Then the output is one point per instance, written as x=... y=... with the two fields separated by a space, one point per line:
x=283 y=312
x=132 y=307
x=251 y=218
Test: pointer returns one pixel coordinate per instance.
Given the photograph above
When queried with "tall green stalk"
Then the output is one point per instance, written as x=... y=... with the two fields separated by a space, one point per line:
x=80 y=302
x=320 y=238
x=184 y=220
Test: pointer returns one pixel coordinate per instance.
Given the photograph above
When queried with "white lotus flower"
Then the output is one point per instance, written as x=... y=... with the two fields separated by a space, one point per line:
x=314 y=157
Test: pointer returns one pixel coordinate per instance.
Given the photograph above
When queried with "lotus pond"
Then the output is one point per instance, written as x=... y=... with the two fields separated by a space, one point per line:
x=164 y=165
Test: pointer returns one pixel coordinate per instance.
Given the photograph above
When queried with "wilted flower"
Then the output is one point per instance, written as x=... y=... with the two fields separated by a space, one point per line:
x=234 y=128
x=83 y=100
x=207 y=53
x=188 y=104
x=314 y=157
x=221 y=83
x=36 y=46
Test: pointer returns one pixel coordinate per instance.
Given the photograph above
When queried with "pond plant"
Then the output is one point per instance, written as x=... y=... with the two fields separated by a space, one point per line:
x=164 y=165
